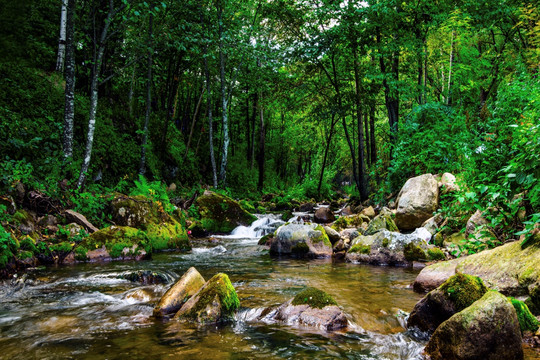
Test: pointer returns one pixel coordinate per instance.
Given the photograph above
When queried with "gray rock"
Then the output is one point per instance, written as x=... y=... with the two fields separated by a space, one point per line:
x=333 y=235
x=476 y=220
x=303 y=240
x=448 y=183
x=488 y=329
x=417 y=201
x=328 y=318
x=80 y=219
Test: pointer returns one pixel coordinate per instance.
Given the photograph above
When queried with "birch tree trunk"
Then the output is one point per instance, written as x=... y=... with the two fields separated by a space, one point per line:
x=98 y=59
x=62 y=39
x=224 y=100
x=142 y=167
x=69 y=106
x=262 y=135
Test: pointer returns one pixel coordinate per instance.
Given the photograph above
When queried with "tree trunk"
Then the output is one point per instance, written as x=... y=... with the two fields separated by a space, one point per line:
x=362 y=185
x=210 y=120
x=391 y=96
x=253 y=118
x=193 y=122
x=69 y=106
x=372 y=134
x=224 y=100
x=142 y=167
x=62 y=39
x=131 y=91
x=98 y=59
x=328 y=141
x=260 y=157
x=449 y=96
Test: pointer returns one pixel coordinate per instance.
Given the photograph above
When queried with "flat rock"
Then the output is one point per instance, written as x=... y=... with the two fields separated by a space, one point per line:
x=80 y=219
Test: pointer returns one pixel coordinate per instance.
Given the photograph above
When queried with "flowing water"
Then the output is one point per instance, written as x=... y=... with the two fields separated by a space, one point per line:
x=88 y=311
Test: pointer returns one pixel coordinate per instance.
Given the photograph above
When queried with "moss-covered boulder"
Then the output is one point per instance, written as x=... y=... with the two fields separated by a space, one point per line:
x=456 y=294
x=527 y=321
x=390 y=248
x=417 y=201
x=308 y=240
x=312 y=308
x=350 y=221
x=488 y=329
x=221 y=214
x=381 y=222
x=216 y=301
x=136 y=211
x=188 y=285
x=507 y=268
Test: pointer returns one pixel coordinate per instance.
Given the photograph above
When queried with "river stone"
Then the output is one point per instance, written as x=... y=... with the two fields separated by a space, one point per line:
x=216 y=301
x=417 y=201
x=507 y=268
x=179 y=293
x=390 y=248
x=324 y=215
x=382 y=221
x=488 y=329
x=145 y=277
x=303 y=240
x=457 y=293
x=311 y=307
x=221 y=214
x=369 y=212
x=333 y=235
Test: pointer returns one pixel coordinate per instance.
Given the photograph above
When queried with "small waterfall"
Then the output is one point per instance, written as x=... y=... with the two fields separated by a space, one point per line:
x=264 y=225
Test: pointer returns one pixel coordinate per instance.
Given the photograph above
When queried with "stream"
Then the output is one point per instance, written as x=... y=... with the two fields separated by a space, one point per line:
x=89 y=311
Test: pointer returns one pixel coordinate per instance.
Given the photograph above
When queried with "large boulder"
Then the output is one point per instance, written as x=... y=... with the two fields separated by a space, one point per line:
x=216 y=301
x=312 y=308
x=188 y=285
x=324 y=215
x=507 y=268
x=302 y=240
x=417 y=201
x=221 y=214
x=390 y=248
x=488 y=329
x=456 y=294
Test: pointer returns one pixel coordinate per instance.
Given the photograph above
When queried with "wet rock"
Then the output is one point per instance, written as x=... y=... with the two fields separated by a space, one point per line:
x=266 y=240
x=216 y=301
x=324 y=215
x=145 y=277
x=488 y=329
x=350 y=222
x=417 y=201
x=507 y=268
x=301 y=240
x=333 y=235
x=369 y=212
x=313 y=308
x=80 y=219
x=188 y=285
x=390 y=248
x=383 y=221
x=141 y=295
x=456 y=294
x=221 y=214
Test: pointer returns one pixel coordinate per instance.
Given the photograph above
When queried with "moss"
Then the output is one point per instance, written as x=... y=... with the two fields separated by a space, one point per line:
x=463 y=290
x=313 y=297
x=438 y=239
x=63 y=247
x=436 y=254
x=221 y=214
x=527 y=321
x=343 y=222
x=116 y=238
x=80 y=253
x=247 y=206
x=385 y=242
x=117 y=249
x=414 y=252
x=360 y=249
x=219 y=286
x=23 y=255
x=168 y=235
x=23 y=217
x=197 y=229
x=323 y=237
x=264 y=239
x=300 y=248
x=28 y=244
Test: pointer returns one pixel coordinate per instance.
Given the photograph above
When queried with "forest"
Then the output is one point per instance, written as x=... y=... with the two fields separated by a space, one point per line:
x=277 y=106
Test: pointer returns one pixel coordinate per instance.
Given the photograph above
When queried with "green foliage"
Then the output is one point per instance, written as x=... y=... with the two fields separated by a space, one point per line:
x=314 y=298
x=8 y=247
x=93 y=206
x=153 y=190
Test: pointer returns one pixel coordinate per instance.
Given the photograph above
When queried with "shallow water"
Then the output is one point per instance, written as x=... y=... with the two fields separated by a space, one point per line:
x=88 y=312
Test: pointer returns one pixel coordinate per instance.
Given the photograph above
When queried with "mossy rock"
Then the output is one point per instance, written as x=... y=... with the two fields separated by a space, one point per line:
x=116 y=239
x=360 y=249
x=463 y=289
x=381 y=222
x=435 y=254
x=313 y=297
x=266 y=240
x=136 y=211
x=414 y=252
x=349 y=221
x=169 y=235
x=221 y=214
x=301 y=240
x=216 y=301
x=197 y=229
x=527 y=321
